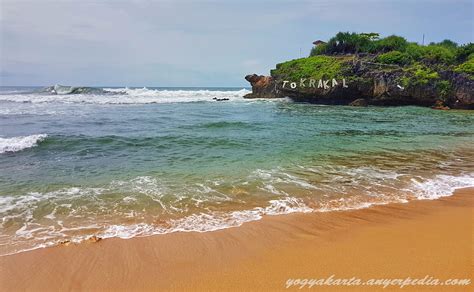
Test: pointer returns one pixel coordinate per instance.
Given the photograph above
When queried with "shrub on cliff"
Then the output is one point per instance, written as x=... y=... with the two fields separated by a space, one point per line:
x=415 y=51
x=347 y=43
x=467 y=67
x=444 y=88
x=395 y=57
x=423 y=75
x=390 y=43
x=418 y=74
x=437 y=53
x=447 y=44
x=352 y=43
x=463 y=52
x=446 y=52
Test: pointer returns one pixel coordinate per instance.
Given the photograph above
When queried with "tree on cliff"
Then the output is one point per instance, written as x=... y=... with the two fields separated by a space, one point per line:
x=394 y=49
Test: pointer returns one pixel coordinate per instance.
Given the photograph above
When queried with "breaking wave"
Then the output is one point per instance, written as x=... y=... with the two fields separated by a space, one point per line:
x=63 y=90
x=90 y=95
x=16 y=144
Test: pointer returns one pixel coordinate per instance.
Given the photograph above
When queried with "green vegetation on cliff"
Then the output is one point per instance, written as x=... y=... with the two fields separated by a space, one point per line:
x=316 y=67
x=467 y=67
x=421 y=65
x=418 y=74
x=399 y=50
x=395 y=57
x=375 y=71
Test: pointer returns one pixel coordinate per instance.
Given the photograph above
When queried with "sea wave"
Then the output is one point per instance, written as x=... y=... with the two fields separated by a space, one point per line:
x=16 y=144
x=63 y=90
x=125 y=96
x=156 y=192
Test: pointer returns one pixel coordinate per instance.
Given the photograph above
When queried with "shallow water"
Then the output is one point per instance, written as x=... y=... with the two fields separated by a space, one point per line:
x=136 y=162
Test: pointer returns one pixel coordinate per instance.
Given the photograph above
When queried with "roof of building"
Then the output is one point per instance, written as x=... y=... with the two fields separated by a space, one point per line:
x=318 y=42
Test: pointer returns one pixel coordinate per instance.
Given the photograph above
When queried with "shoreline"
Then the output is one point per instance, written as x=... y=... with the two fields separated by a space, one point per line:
x=422 y=237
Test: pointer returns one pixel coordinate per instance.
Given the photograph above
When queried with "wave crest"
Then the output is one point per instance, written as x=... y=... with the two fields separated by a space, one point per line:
x=62 y=90
x=16 y=144
x=88 y=95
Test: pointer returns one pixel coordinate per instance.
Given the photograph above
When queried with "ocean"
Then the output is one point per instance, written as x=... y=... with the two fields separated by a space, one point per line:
x=127 y=162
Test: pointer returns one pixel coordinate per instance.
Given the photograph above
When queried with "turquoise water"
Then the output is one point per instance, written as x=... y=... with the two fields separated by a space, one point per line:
x=136 y=162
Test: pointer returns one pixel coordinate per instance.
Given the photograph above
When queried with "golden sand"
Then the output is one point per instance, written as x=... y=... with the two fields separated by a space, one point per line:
x=416 y=239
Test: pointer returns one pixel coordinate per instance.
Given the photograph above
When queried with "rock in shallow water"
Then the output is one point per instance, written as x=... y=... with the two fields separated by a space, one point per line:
x=359 y=102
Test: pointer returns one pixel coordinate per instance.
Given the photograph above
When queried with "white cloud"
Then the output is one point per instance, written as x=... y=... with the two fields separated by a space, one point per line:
x=210 y=42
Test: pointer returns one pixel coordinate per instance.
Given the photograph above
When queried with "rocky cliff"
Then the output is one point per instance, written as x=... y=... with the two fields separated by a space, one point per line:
x=262 y=86
x=360 y=81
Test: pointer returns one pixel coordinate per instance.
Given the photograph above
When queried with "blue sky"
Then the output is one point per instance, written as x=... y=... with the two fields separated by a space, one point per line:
x=195 y=43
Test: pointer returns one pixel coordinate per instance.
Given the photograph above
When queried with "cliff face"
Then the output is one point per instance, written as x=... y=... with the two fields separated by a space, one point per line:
x=359 y=81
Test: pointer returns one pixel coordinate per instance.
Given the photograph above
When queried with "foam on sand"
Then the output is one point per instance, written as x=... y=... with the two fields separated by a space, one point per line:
x=441 y=186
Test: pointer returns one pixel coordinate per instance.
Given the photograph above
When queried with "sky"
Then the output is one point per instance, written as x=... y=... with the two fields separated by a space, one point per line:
x=195 y=43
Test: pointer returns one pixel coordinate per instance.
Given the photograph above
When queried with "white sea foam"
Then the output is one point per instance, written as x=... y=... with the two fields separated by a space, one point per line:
x=205 y=222
x=440 y=186
x=29 y=109
x=286 y=206
x=130 y=96
x=201 y=220
x=278 y=176
x=15 y=144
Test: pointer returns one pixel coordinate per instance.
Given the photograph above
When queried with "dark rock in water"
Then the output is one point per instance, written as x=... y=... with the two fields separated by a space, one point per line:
x=439 y=105
x=220 y=99
x=359 y=102
x=262 y=86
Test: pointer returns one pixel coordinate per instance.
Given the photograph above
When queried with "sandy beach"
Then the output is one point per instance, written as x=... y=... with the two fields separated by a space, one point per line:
x=413 y=240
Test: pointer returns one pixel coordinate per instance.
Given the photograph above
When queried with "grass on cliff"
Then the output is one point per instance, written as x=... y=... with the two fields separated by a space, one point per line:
x=316 y=67
x=467 y=67
x=419 y=74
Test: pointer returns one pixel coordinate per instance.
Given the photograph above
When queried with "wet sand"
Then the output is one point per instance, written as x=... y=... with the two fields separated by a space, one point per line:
x=416 y=239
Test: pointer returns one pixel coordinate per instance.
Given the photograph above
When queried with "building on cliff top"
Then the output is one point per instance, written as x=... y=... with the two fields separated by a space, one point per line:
x=318 y=42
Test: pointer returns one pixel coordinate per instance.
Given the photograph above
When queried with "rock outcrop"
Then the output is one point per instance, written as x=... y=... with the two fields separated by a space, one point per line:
x=369 y=83
x=262 y=86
